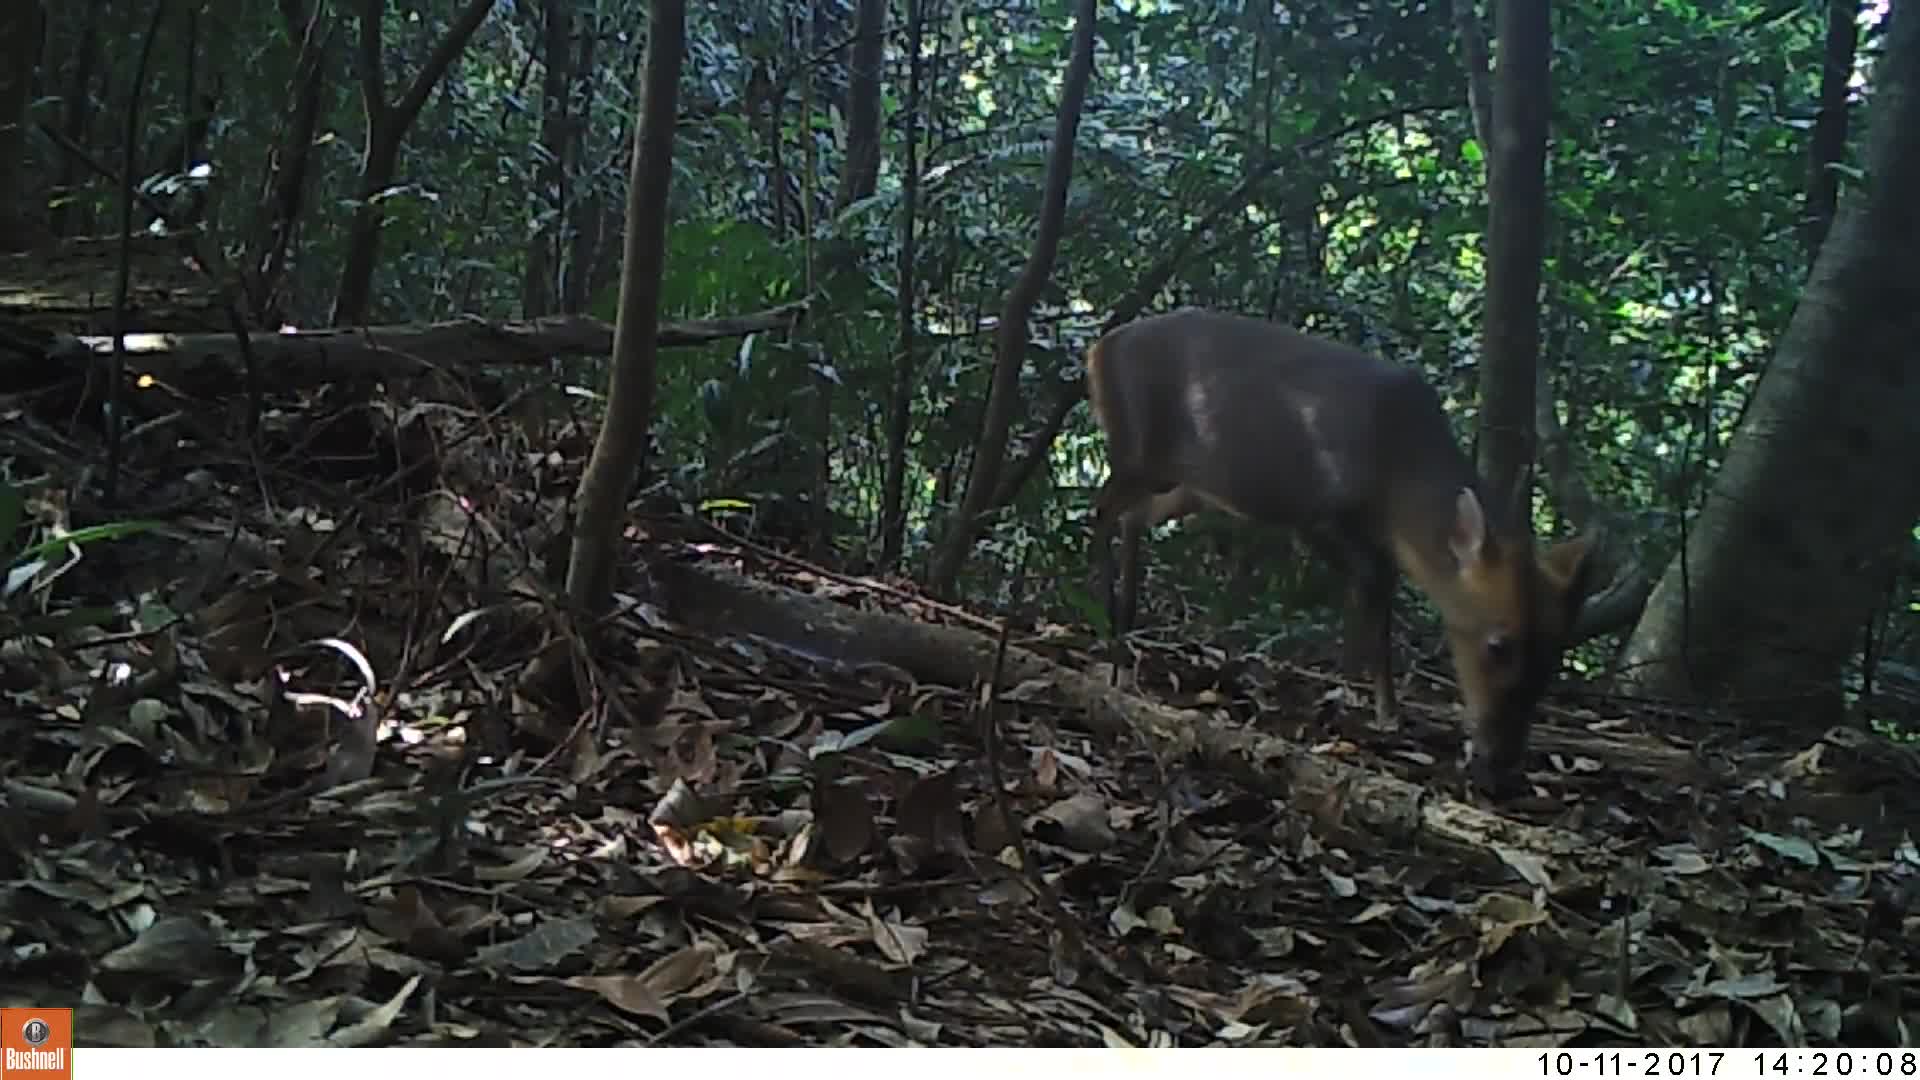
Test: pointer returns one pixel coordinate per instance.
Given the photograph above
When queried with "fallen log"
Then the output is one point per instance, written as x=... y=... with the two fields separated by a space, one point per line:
x=718 y=602
x=313 y=357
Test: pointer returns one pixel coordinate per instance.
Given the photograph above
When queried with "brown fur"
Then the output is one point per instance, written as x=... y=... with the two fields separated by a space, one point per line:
x=1206 y=410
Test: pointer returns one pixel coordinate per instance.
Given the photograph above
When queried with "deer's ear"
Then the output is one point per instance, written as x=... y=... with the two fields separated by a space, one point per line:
x=1569 y=568
x=1566 y=562
x=1468 y=537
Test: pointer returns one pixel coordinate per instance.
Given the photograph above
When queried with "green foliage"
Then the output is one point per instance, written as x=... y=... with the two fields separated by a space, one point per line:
x=725 y=266
x=28 y=560
x=721 y=406
x=1676 y=179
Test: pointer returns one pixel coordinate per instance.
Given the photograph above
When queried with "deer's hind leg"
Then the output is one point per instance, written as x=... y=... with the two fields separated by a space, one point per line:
x=1366 y=634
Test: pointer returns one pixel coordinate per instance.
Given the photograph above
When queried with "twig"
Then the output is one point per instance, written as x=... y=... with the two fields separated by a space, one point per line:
x=691 y=1019
x=956 y=614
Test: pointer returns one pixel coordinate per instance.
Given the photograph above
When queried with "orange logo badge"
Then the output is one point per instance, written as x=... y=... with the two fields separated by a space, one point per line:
x=36 y=1044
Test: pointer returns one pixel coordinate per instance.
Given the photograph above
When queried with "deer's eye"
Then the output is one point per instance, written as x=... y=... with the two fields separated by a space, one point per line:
x=1499 y=648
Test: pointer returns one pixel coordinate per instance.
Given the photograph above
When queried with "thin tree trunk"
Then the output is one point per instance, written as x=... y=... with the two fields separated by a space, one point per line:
x=1616 y=605
x=861 y=167
x=893 y=502
x=1010 y=343
x=583 y=212
x=538 y=291
x=619 y=453
x=1516 y=237
x=279 y=212
x=75 y=112
x=387 y=126
x=1473 y=53
x=20 y=22
x=762 y=86
x=1829 y=145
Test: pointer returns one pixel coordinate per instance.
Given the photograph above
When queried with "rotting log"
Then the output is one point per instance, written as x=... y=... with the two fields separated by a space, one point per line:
x=312 y=357
x=719 y=601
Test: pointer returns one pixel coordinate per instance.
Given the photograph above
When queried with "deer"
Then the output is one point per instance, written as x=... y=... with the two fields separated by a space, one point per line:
x=1353 y=453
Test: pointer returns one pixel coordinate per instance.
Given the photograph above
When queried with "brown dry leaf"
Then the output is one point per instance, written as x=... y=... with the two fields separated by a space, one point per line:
x=226 y=1025
x=1501 y=915
x=1536 y=1029
x=897 y=941
x=680 y=971
x=1125 y=816
x=584 y=759
x=1447 y=981
x=829 y=932
x=409 y=921
x=992 y=832
x=1379 y=909
x=112 y=1025
x=1008 y=888
x=680 y=807
x=470 y=918
x=795 y=864
x=628 y=993
x=626 y=907
x=1804 y=765
x=1274 y=999
x=1082 y=819
x=1709 y=1025
x=844 y=820
x=693 y=756
x=381 y=958
x=1046 y=770
x=929 y=810
x=809 y=1009
x=1531 y=867
x=686 y=701
x=1682 y=859
x=1163 y=921
x=842 y=969
x=725 y=841
x=375 y=1022
x=678 y=844
x=518 y=870
x=1124 y=920
x=548 y=943
x=1340 y=885
x=1036 y=689
x=175 y=945
x=332 y=949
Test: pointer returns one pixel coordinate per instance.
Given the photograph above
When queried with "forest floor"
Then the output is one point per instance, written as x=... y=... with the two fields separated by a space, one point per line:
x=277 y=774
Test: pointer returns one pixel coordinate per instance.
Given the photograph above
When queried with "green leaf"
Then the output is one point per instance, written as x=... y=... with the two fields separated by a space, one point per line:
x=88 y=535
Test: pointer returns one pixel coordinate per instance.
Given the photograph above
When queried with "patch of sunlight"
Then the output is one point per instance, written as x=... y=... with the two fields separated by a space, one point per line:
x=1638 y=312
x=1467 y=255
x=135 y=343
